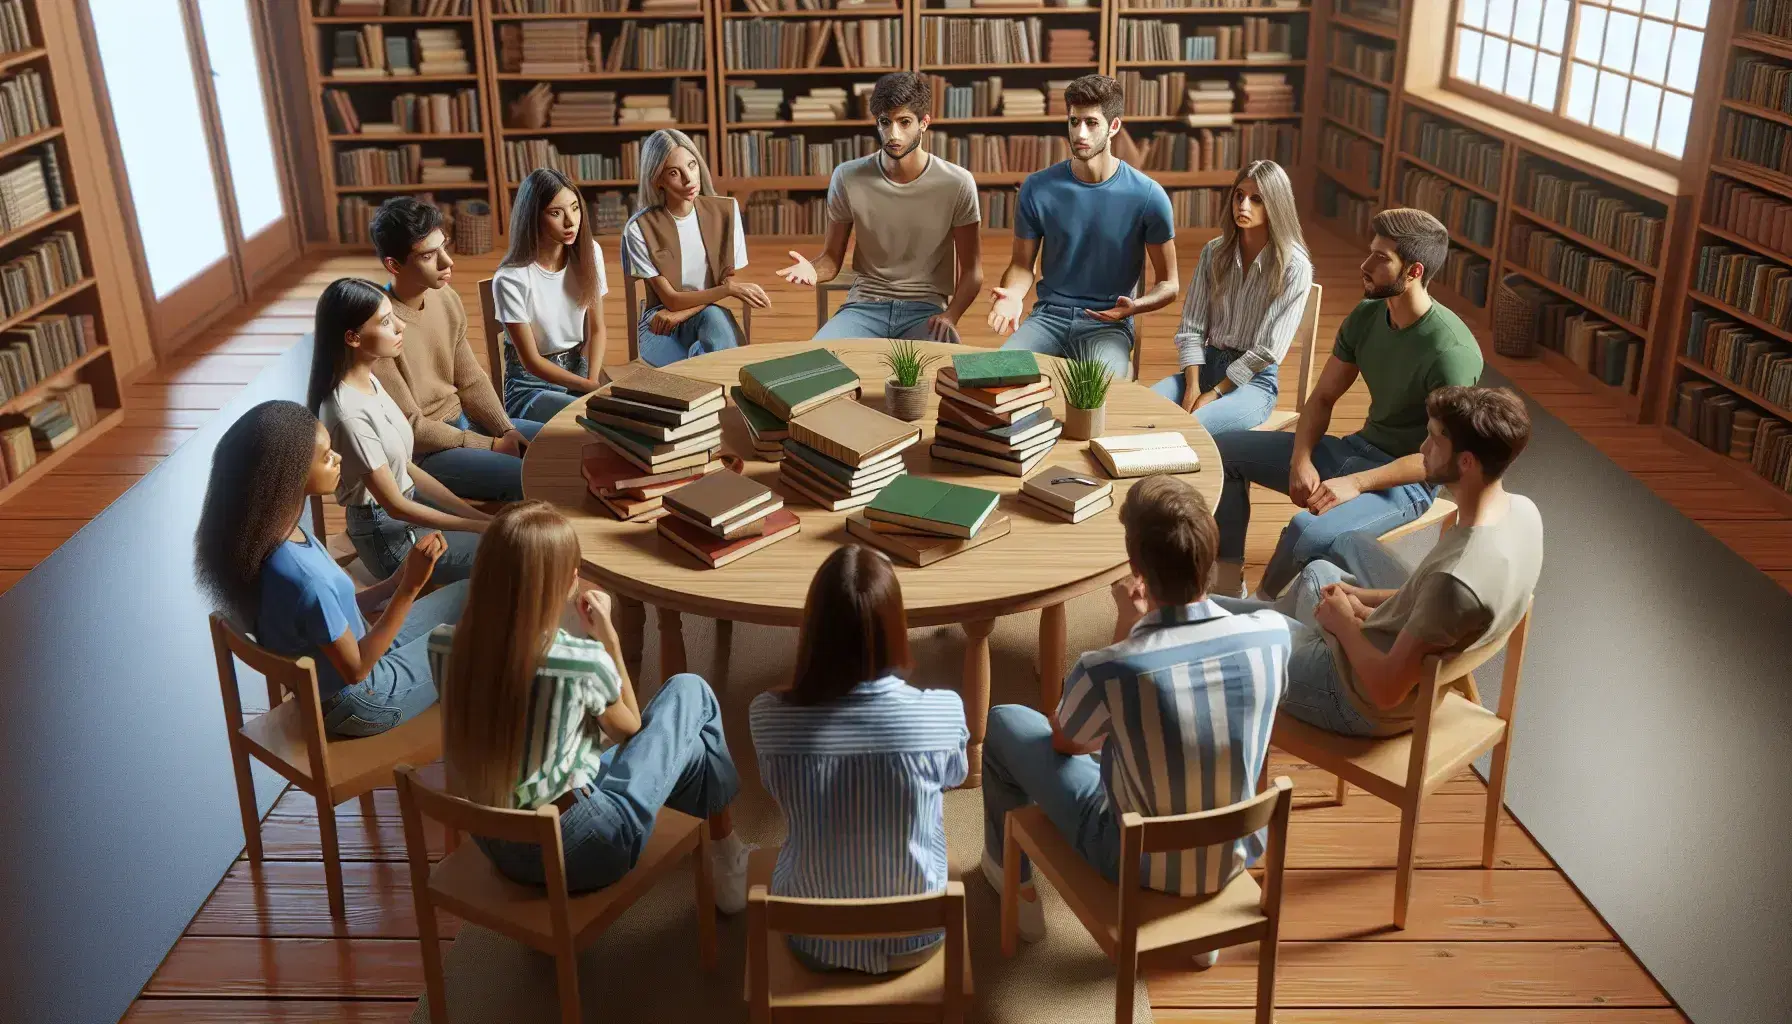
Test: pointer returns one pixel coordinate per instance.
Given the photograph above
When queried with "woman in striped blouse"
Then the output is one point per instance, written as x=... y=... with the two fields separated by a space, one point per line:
x=1243 y=306
x=859 y=760
x=525 y=706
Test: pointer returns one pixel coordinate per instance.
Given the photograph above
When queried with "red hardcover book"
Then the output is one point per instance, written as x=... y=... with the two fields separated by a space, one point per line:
x=716 y=552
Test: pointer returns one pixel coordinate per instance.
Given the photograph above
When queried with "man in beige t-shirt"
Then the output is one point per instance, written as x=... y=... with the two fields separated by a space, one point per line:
x=918 y=253
x=1365 y=625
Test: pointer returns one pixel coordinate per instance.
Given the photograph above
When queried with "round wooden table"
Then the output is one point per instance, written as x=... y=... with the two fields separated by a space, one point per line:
x=1042 y=563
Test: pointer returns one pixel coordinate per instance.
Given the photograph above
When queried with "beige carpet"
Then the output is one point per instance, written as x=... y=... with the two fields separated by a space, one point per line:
x=645 y=967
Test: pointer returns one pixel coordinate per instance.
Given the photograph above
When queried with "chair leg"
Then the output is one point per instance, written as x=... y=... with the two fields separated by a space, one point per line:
x=1010 y=891
x=1409 y=828
x=245 y=798
x=1128 y=976
x=1266 y=981
x=705 y=881
x=367 y=809
x=433 y=983
x=566 y=974
x=1343 y=790
x=326 y=834
x=1496 y=798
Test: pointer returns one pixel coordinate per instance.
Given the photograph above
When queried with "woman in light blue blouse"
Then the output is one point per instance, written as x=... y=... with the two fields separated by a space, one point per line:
x=858 y=760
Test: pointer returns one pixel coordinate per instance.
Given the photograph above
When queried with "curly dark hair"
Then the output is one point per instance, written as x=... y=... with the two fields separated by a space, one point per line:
x=344 y=306
x=902 y=90
x=1096 y=91
x=400 y=223
x=254 y=498
x=1492 y=424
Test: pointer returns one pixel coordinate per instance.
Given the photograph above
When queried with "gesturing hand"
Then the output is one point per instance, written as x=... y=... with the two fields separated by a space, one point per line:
x=801 y=272
x=1004 y=310
x=755 y=296
x=939 y=328
x=1123 y=307
x=420 y=562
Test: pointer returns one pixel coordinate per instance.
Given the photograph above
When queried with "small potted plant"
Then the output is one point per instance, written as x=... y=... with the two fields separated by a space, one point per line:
x=905 y=395
x=1085 y=383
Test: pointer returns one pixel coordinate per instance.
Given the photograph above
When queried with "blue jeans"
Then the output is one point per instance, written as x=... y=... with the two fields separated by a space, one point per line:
x=1070 y=332
x=1242 y=409
x=709 y=331
x=679 y=759
x=1263 y=456
x=383 y=542
x=1020 y=768
x=400 y=687
x=480 y=474
x=527 y=396
x=896 y=318
x=1315 y=688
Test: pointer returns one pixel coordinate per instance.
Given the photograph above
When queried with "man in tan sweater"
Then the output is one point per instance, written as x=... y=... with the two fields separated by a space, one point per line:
x=464 y=439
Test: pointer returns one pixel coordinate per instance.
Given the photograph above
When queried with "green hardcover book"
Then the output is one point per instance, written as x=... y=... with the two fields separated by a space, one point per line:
x=950 y=510
x=996 y=369
x=792 y=385
x=763 y=425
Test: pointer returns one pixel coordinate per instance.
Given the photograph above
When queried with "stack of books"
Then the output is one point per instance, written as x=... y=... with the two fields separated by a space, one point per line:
x=646 y=108
x=582 y=110
x=724 y=517
x=659 y=422
x=17 y=453
x=824 y=103
x=920 y=521
x=754 y=104
x=1127 y=455
x=1210 y=103
x=439 y=52
x=52 y=425
x=627 y=491
x=792 y=385
x=1069 y=46
x=840 y=455
x=1023 y=103
x=1266 y=92
x=767 y=432
x=995 y=412
x=1067 y=492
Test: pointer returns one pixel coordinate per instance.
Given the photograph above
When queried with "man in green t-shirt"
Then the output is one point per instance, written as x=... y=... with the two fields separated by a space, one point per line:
x=1404 y=345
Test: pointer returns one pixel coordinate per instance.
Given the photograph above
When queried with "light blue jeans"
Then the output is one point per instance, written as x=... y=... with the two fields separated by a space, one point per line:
x=1315 y=689
x=401 y=686
x=900 y=318
x=712 y=330
x=1243 y=409
x=527 y=396
x=1263 y=456
x=679 y=759
x=480 y=474
x=1020 y=768
x=383 y=542
x=1070 y=333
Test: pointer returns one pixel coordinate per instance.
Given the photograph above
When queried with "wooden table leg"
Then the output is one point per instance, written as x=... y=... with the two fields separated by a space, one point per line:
x=1052 y=630
x=671 y=642
x=631 y=629
x=976 y=694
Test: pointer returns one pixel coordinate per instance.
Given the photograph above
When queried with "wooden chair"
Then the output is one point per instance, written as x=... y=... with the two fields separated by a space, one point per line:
x=842 y=283
x=634 y=299
x=781 y=988
x=548 y=919
x=1127 y=920
x=341 y=549
x=1441 y=513
x=1307 y=334
x=1451 y=729
x=290 y=739
x=494 y=336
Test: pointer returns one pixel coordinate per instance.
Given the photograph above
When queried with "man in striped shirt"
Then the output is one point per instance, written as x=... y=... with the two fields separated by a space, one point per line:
x=1180 y=707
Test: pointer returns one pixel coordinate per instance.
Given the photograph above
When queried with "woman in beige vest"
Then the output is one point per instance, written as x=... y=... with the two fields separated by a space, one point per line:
x=686 y=243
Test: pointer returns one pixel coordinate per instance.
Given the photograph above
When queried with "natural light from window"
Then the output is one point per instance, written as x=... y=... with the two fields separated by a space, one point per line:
x=1623 y=67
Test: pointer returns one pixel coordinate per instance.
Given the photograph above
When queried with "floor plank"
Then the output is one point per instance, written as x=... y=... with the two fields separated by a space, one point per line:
x=266 y=1011
x=291 y=968
x=288 y=900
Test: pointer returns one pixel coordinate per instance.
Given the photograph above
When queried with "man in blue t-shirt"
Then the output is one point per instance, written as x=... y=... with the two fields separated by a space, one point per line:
x=1099 y=218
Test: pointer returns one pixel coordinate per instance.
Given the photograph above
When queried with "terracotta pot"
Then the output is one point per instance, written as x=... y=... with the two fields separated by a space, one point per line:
x=1083 y=424
x=905 y=403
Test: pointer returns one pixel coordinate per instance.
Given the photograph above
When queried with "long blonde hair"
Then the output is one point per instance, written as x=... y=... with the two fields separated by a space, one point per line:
x=654 y=151
x=1283 y=221
x=527 y=560
x=533 y=197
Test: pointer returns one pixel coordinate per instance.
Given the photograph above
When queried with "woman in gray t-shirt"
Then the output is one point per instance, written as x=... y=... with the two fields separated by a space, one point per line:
x=380 y=484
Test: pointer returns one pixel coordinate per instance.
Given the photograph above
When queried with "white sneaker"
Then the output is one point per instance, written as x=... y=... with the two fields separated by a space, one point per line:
x=728 y=871
x=1202 y=961
x=1032 y=914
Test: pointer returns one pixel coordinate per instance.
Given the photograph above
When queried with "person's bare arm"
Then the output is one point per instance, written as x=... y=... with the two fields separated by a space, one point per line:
x=1008 y=294
x=1387 y=678
x=454 y=514
x=1408 y=469
x=622 y=719
x=1159 y=295
x=967 y=249
x=354 y=659
x=522 y=337
x=597 y=343
x=1315 y=417
x=823 y=268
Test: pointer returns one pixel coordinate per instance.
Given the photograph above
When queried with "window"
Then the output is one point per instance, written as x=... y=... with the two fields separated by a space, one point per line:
x=1626 y=68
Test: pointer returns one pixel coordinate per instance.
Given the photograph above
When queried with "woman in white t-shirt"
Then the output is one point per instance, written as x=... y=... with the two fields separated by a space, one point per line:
x=686 y=243
x=548 y=293
x=380 y=484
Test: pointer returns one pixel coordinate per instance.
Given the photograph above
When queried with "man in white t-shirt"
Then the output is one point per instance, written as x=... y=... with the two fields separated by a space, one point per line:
x=915 y=214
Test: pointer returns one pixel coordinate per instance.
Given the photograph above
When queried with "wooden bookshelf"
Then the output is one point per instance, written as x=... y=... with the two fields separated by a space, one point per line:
x=1459 y=191
x=465 y=141
x=47 y=146
x=1360 y=47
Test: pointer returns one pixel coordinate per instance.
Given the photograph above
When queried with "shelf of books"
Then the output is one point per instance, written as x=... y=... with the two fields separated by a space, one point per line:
x=1211 y=85
x=1732 y=394
x=1359 y=94
x=795 y=100
x=1457 y=174
x=399 y=110
x=577 y=84
x=58 y=386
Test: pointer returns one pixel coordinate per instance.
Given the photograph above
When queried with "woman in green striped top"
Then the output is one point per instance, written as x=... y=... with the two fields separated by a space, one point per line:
x=526 y=706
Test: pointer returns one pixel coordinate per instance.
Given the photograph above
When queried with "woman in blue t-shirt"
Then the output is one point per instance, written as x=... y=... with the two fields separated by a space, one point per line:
x=272 y=578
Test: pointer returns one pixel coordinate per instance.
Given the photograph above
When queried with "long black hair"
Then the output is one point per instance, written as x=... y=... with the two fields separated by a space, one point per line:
x=255 y=496
x=344 y=306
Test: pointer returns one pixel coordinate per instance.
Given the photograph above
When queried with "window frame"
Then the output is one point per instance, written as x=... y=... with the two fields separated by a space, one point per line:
x=1555 y=117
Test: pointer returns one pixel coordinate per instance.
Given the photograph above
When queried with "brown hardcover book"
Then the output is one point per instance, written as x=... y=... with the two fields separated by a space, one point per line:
x=717 y=498
x=667 y=390
x=661 y=464
x=948 y=434
x=602 y=400
x=821 y=483
x=852 y=433
x=748 y=524
x=985 y=460
x=918 y=550
x=1088 y=511
x=716 y=552
x=659 y=431
x=642 y=511
x=803 y=487
x=999 y=397
x=1066 y=488
x=606 y=469
x=973 y=418
x=1006 y=414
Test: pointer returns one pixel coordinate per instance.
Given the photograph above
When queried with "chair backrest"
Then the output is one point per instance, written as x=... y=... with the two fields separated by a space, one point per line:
x=297 y=676
x=635 y=305
x=1211 y=828
x=494 y=334
x=892 y=916
x=1138 y=331
x=1440 y=672
x=319 y=527
x=1307 y=335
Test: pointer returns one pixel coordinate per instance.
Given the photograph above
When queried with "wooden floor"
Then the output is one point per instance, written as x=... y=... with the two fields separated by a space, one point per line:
x=1512 y=945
